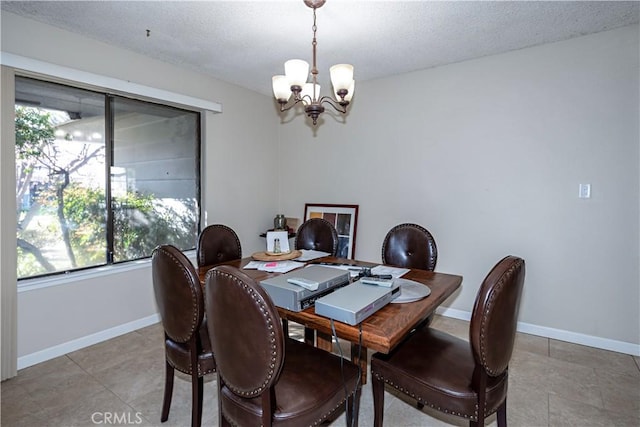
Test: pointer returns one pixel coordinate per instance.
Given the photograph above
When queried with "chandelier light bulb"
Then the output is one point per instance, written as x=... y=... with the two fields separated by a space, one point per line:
x=297 y=72
x=281 y=88
x=341 y=76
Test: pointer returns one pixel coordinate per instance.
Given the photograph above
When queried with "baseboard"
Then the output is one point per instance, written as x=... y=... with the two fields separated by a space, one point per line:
x=77 y=344
x=558 y=334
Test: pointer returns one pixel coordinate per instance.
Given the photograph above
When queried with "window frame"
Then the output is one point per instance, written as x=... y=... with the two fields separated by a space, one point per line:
x=109 y=96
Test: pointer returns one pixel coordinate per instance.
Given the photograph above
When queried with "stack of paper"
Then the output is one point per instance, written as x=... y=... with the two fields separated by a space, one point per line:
x=273 y=266
x=310 y=254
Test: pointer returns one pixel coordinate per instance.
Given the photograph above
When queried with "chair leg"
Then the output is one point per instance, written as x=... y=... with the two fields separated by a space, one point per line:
x=480 y=381
x=309 y=336
x=196 y=399
x=168 y=391
x=502 y=414
x=353 y=408
x=377 y=386
x=222 y=421
x=479 y=423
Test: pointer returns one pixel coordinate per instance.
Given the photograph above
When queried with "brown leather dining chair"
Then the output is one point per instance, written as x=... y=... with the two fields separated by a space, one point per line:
x=180 y=301
x=317 y=234
x=410 y=246
x=264 y=377
x=463 y=378
x=217 y=243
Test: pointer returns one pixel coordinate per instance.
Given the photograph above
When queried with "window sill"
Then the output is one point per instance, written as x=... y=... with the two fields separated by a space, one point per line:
x=76 y=276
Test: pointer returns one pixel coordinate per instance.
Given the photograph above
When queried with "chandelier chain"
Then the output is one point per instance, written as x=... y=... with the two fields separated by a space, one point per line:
x=314 y=69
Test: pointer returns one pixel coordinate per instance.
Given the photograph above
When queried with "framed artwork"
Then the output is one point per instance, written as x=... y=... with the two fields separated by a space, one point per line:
x=343 y=217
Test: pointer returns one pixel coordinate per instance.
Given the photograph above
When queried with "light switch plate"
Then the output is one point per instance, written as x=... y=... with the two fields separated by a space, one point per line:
x=584 y=191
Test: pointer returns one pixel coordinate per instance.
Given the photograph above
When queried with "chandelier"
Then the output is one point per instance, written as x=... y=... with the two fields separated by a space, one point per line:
x=294 y=82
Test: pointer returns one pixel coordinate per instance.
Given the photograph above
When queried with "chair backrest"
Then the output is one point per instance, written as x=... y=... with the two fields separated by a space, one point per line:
x=217 y=243
x=495 y=314
x=178 y=293
x=317 y=234
x=410 y=246
x=249 y=355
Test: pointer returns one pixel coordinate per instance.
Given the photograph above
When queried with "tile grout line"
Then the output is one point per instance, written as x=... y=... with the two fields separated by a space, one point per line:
x=548 y=409
x=548 y=347
x=40 y=410
x=102 y=384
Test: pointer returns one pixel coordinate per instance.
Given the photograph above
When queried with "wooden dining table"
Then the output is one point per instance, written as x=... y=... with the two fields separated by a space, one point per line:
x=383 y=330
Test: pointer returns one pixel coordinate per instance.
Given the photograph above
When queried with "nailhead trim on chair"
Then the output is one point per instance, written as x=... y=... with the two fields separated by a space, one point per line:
x=315 y=423
x=226 y=228
x=431 y=405
x=334 y=235
x=272 y=338
x=433 y=259
x=194 y=300
x=325 y=415
x=498 y=287
x=201 y=374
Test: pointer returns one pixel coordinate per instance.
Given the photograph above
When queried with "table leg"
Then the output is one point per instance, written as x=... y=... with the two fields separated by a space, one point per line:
x=359 y=357
x=324 y=341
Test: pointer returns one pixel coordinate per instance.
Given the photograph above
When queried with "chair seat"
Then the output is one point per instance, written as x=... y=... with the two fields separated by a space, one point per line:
x=179 y=356
x=437 y=369
x=309 y=376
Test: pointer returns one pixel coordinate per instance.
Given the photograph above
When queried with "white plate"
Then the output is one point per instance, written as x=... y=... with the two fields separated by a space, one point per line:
x=410 y=291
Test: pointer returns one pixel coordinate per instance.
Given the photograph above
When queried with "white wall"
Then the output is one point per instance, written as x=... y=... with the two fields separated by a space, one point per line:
x=488 y=154
x=238 y=186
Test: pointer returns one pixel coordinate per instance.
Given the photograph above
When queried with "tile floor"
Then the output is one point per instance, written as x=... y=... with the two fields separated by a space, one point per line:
x=552 y=383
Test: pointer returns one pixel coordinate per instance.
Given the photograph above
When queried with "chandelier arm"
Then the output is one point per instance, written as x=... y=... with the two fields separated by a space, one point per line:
x=284 y=107
x=340 y=107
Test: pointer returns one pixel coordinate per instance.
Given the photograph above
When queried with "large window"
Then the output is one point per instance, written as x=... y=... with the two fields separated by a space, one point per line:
x=101 y=179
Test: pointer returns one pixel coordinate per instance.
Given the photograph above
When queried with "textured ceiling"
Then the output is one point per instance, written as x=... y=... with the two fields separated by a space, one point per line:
x=245 y=43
